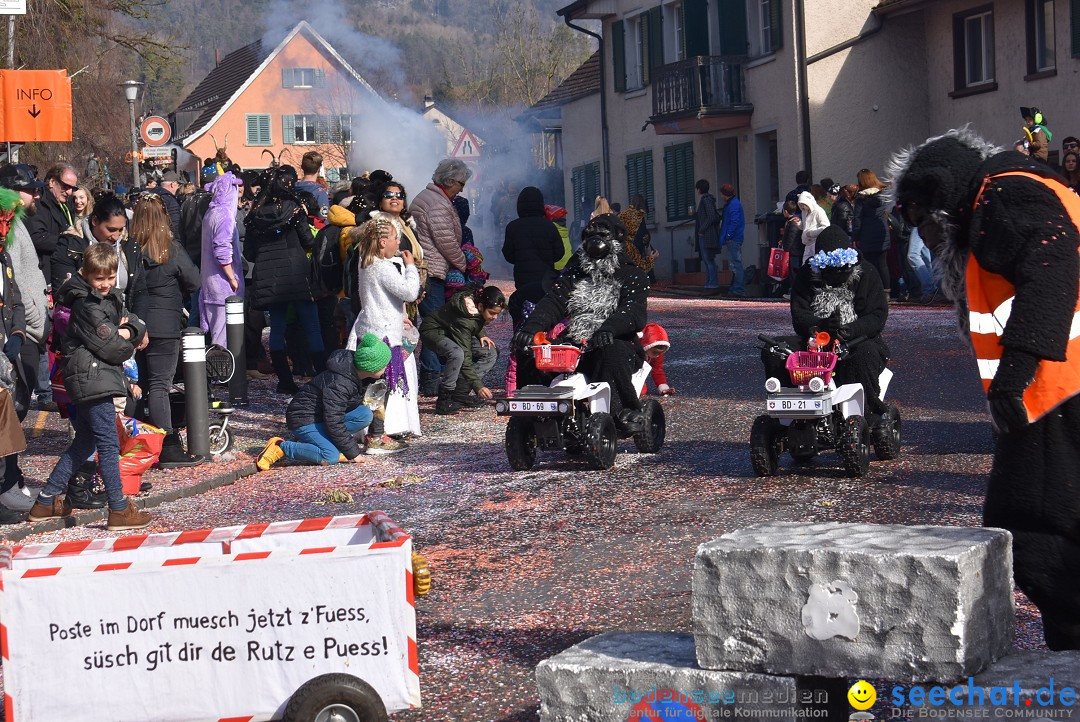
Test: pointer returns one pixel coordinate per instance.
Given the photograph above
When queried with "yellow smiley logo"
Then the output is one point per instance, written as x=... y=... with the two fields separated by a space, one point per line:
x=862 y=695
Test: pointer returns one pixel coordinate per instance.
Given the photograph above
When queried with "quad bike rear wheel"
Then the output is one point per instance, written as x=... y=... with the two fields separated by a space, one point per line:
x=649 y=440
x=765 y=445
x=601 y=441
x=886 y=434
x=854 y=445
x=520 y=443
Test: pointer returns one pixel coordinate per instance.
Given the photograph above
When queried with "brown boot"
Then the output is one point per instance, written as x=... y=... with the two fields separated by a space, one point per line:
x=56 y=508
x=130 y=518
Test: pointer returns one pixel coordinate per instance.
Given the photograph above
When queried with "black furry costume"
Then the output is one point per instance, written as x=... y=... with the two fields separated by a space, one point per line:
x=848 y=304
x=1020 y=231
x=605 y=302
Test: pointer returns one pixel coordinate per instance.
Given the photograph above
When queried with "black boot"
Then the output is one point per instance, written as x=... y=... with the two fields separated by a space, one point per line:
x=80 y=494
x=445 y=405
x=631 y=421
x=429 y=383
x=464 y=399
x=173 y=454
x=280 y=363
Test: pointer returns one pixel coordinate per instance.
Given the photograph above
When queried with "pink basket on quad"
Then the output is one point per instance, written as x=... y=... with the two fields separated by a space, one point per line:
x=556 y=358
x=805 y=365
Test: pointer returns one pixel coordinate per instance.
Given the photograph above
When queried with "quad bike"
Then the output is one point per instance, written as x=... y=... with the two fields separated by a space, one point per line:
x=815 y=415
x=573 y=414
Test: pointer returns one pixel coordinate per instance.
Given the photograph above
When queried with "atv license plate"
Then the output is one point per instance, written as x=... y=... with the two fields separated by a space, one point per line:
x=793 y=404
x=543 y=407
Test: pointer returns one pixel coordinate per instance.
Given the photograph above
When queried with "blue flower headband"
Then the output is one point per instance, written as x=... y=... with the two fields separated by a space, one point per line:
x=834 y=259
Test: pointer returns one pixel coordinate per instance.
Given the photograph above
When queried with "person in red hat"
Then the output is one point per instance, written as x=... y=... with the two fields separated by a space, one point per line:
x=654 y=340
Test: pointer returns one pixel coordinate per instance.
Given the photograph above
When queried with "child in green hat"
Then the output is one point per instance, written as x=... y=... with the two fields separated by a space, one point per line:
x=327 y=413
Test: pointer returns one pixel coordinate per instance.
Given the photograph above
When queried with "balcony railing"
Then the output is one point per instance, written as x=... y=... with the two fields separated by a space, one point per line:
x=702 y=85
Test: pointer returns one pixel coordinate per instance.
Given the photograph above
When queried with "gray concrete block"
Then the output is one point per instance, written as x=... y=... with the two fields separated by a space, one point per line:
x=603 y=678
x=909 y=603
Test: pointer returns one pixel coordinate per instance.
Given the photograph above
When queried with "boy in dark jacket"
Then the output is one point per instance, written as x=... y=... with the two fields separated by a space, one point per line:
x=100 y=337
x=327 y=412
x=456 y=334
x=533 y=246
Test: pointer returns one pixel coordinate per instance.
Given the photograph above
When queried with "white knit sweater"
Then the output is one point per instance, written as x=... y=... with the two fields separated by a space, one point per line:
x=384 y=290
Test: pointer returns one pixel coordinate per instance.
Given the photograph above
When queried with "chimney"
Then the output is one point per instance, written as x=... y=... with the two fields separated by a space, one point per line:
x=217 y=57
x=428 y=102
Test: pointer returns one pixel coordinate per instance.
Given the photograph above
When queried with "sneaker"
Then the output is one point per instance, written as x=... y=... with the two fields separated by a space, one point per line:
x=256 y=375
x=385 y=445
x=270 y=454
x=131 y=518
x=10 y=516
x=19 y=498
x=56 y=507
x=466 y=400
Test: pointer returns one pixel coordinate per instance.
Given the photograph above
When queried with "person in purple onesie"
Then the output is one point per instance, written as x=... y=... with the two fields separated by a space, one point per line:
x=222 y=270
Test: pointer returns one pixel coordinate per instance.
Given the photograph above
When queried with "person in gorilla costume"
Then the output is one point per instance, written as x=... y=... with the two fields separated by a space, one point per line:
x=1004 y=231
x=838 y=292
x=603 y=297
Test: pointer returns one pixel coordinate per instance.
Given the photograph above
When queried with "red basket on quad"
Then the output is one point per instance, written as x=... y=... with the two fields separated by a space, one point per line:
x=556 y=358
x=805 y=365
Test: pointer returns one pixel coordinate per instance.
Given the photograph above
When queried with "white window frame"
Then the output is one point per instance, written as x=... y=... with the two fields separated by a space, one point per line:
x=674 y=45
x=307 y=125
x=300 y=75
x=1044 y=36
x=765 y=26
x=635 y=53
x=985 y=21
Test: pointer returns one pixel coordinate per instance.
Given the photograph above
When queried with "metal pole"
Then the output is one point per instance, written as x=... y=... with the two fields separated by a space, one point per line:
x=11 y=42
x=135 y=159
x=193 y=342
x=234 y=336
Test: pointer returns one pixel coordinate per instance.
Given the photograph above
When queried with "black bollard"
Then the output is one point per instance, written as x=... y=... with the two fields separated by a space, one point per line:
x=234 y=336
x=195 y=393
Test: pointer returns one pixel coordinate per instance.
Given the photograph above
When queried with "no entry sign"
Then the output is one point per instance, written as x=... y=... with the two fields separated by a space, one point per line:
x=36 y=106
x=155 y=130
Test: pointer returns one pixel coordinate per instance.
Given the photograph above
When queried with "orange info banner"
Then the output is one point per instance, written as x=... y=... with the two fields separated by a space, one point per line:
x=35 y=105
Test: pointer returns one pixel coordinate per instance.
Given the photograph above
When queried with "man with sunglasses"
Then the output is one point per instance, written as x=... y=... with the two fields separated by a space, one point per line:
x=55 y=213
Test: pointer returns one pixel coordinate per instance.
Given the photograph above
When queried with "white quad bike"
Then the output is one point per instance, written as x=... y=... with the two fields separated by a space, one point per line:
x=816 y=415
x=572 y=414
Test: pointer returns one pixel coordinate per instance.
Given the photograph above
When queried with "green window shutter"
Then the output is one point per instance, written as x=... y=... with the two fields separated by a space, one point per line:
x=696 y=27
x=320 y=77
x=1074 y=19
x=669 y=183
x=618 y=55
x=264 y=129
x=633 y=172
x=288 y=129
x=639 y=179
x=776 y=20
x=252 y=129
x=654 y=47
x=733 y=40
x=648 y=192
x=679 y=177
x=286 y=77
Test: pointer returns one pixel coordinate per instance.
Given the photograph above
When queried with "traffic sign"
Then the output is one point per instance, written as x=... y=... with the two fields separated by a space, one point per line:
x=12 y=7
x=155 y=130
x=164 y=151
x=468 y=147
x=36 y=106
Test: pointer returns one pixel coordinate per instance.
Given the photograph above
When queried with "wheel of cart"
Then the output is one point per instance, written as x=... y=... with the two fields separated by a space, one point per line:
x=335 y=698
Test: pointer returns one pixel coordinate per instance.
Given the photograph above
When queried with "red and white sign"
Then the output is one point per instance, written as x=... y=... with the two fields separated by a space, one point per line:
x=467 y=148
x=155 y=130
x=244 y=615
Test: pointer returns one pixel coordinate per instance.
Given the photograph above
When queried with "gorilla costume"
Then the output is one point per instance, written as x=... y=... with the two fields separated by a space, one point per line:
x=602 y=295
x=1004 y=229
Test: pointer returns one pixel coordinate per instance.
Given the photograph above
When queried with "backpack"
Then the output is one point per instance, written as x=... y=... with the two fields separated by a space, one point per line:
x=351 y=272
x=327 y=270
x=191 y=218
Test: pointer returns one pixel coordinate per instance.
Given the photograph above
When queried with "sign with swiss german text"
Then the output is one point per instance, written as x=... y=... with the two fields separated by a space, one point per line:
x=12 y=7
x=36 y=106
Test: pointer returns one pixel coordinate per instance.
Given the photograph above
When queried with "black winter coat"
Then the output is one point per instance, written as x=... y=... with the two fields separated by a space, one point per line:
x=13 y=312
x=532 y=244
x=45 y=228
x=172 y=205
x=67 y=261
x=870 y=227
x=167 y=285
x=869 y=304
x=327 y=398
x=277 y=241
x=843 y=215
x=93 y=350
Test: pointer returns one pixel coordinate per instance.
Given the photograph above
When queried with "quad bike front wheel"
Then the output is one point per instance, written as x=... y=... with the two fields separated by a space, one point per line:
x=651 y=438
x=520 y=443
x=854 y=445
x=601 y=441
x=886 y=434
x=765 y=445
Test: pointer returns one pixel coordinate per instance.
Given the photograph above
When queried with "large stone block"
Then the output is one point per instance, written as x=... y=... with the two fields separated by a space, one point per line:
x=613 y=677
x=909 y=603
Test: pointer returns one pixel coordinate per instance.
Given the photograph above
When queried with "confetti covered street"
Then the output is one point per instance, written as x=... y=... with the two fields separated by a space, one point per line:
x=525 y=564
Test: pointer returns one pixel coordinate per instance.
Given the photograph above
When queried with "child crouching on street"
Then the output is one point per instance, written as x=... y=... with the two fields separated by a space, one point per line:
x=100 y=337
x=327 y=413
x=654 y=340
x=456 y=334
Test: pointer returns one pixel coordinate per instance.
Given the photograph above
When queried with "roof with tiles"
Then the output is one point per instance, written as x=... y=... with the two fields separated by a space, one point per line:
x=581 y=83
x=218 y=87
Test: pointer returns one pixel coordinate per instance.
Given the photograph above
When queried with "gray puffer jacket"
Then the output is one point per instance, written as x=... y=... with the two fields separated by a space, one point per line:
x=439 y=231
x=92 y=348
x=31 y=282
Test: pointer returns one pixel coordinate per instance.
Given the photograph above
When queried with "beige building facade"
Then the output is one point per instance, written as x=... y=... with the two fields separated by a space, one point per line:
x=751 y=91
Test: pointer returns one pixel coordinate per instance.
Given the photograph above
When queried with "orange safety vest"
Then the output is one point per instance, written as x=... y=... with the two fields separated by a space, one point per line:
x=990 y=297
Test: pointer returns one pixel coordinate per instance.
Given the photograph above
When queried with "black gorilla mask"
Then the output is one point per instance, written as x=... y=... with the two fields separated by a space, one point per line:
x=597 y=245
x=603 y=236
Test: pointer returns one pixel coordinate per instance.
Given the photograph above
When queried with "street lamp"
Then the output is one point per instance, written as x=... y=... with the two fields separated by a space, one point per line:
x=131 y=90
